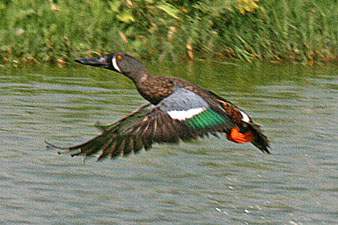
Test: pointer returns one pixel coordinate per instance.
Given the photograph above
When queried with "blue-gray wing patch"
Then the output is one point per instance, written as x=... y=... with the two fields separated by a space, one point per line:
x=185 y=105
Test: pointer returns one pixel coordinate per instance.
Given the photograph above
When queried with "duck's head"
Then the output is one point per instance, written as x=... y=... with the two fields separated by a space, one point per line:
x=119 y=62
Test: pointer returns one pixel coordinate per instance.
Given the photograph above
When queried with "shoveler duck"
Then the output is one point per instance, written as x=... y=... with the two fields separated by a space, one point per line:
x=177 y=110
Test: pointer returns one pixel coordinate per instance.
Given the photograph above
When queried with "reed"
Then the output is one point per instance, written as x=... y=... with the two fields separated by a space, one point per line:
x=277 y=30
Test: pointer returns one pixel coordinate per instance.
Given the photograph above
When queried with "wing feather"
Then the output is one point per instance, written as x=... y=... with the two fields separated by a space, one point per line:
x=115 y=149
x=148 y=125
x=128 y=146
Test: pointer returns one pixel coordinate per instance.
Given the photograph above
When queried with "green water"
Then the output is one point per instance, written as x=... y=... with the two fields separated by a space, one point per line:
x=211 y=181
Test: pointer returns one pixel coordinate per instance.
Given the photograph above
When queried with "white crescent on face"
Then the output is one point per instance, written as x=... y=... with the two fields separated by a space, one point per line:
x=114 y=61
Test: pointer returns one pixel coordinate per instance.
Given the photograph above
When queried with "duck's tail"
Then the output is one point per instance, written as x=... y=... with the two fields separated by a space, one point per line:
x=250 y=132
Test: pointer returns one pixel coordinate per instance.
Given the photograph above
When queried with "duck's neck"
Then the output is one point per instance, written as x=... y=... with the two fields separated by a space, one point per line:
x=138 y=77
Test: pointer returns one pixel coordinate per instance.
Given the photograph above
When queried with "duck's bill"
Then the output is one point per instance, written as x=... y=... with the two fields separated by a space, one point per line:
x=97 y=61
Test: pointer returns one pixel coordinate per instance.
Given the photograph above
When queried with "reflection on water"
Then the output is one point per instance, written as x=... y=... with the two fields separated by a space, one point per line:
x=211 y=181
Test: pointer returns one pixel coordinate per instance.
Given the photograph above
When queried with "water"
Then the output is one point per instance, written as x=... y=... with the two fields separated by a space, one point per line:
x=211 y=181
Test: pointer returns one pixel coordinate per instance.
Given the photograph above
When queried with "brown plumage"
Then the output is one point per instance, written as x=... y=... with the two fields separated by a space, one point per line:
x=180 y=110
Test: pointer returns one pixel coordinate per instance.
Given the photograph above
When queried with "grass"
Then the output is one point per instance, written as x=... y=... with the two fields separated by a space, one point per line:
x=276 y=30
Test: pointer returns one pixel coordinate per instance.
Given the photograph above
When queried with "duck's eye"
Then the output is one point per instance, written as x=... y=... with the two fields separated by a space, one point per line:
x=119 y=57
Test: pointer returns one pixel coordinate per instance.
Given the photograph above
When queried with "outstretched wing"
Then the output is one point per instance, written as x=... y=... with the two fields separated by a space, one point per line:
x=182 y=115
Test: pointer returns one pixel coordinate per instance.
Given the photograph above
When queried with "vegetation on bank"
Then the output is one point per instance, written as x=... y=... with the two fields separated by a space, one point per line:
x=274 y=30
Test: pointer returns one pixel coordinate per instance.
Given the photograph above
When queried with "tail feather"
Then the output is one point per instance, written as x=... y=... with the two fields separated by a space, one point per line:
x=260 y=140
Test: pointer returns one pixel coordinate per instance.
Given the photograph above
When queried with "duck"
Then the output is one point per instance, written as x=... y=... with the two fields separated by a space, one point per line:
x=177 y=110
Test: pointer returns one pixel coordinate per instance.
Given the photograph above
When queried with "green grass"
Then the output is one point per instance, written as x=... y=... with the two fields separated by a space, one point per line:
x=272 y=30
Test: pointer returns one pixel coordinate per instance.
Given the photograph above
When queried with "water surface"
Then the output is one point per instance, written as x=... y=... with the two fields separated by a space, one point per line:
x=211 y=181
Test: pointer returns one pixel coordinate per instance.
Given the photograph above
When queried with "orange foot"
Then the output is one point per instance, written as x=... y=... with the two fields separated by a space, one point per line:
x=238 y=137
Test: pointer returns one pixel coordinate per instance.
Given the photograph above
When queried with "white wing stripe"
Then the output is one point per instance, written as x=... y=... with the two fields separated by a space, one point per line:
x=183 y=115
